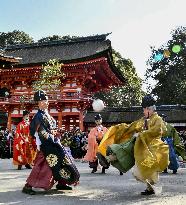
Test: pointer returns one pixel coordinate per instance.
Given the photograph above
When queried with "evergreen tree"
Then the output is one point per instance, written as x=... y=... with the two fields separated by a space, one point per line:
x=167 y=66
x=129 y=94
x=14 y=37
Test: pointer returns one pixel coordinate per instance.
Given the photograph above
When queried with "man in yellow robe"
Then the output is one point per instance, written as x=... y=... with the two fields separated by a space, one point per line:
x=150 y=152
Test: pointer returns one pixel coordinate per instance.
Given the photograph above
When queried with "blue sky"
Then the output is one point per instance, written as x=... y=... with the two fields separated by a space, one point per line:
x=135 y=24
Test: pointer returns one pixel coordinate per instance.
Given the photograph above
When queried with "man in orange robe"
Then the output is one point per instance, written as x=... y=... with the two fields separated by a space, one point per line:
x=24 y=146
x=94 y=138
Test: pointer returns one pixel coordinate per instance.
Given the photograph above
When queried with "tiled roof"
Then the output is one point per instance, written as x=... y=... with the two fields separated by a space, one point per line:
x=174 y=113
x=64 y=50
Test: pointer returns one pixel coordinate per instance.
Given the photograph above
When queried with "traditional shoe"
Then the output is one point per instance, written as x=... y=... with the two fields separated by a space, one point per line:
x=94 y=170
x=28 y=190
x=63 y=187
x=28 y=166
x=174 y=172
x=19 y=167
x=103 y=170
x=165 y=171
x=102 y=160
x=147 y=192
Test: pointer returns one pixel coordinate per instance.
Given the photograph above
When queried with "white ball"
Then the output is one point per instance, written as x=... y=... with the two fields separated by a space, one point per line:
x=98 y=105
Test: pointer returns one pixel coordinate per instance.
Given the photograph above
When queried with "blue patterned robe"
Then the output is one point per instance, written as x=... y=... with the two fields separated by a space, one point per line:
x=58 y=159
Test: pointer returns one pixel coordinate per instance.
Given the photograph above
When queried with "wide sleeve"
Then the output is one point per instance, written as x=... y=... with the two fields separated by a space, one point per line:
x=157 y=129
x=34 y=125
x=19 y=130
x=116 y=135
x=92 y=145
x=178 y=145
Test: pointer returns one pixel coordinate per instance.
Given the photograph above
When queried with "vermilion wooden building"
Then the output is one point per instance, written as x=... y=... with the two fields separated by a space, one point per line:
x=88 y=67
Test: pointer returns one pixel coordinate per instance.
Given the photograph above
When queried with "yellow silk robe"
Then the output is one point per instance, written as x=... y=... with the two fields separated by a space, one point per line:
x=150 y=152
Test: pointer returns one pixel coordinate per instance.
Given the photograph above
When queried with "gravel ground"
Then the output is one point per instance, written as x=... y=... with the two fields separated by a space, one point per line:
x=94 y=189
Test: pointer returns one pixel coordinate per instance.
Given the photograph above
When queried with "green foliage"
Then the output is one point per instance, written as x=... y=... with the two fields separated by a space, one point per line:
x=170 y=72
x=55 y=38
x=50 y=76
x=14 y=37
x=129 y=94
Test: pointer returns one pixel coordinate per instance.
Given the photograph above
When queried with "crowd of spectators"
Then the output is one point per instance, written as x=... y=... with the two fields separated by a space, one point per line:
x=182 y=135
x=75 y=141
x=6 y=143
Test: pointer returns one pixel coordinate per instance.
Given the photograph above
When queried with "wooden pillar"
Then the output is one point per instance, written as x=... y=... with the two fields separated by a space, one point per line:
x=81 y=120
x=59 y=107
x=60 y=118
x=67 y=125
x=29 y=88
x=9 y=123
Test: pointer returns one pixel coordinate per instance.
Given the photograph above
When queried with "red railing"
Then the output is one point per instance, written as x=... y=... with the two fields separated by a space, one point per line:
x=51 y=97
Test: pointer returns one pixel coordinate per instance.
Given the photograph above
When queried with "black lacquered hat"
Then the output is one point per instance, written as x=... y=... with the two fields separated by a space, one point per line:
x=25 y=112
x=148 y=101
x=98 y=117
x=40 y=95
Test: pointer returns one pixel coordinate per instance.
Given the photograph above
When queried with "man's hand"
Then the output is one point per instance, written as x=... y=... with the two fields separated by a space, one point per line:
x=111 y=158
x=135 y=135
x=54 y=132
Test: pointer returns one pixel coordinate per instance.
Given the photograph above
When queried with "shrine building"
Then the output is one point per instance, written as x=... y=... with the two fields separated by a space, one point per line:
x=87 y=65
x=176 y=116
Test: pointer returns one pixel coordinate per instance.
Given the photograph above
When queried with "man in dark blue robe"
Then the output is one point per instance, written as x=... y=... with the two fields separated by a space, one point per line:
x=52 y=164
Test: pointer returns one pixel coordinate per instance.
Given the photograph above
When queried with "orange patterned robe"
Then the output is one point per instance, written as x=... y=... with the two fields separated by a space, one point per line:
x=98 y=133
x=24 y=146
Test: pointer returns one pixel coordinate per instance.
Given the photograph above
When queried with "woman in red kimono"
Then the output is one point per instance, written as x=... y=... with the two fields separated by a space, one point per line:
x=24 y=146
